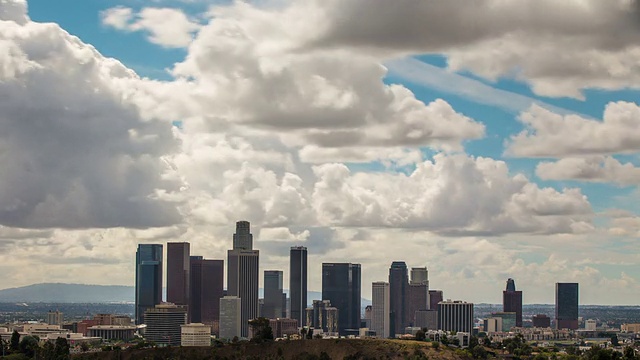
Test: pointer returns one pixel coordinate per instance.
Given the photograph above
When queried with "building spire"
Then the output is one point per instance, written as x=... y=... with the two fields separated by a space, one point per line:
x=243 y=239
x=511 y=285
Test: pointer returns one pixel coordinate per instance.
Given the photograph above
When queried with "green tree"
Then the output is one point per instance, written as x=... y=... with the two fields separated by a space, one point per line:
x=62 y=348
x=455 y=341
x=614 y=340
x=15 y=340
x=444 y=340
x=486 y=341
x=261 y=330
x=473 y=342
x=310 y=334
x=420 y=335
x=48 y=351
x=479 y=352
x=29 y=345
x=540 y=356
x=629 y=353
x=303 y=332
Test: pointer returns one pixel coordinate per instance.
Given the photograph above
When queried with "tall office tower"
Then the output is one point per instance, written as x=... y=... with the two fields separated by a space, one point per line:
x=164 y=323
x=298 y=283
x=512 y=301
x=207 y=277
x=243 y=275
x=455 y=316
x=148 y=279
x=272 y=294
x=567 y=306
x=435 y=296
x=230 y=317
x=398 y=284
x=380 y=309
x=341 y=286
x=417 y=293
x=178 y=274
x=321 y=315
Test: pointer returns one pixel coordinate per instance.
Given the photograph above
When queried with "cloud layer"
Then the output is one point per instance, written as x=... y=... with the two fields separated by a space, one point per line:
x=76 y=150
x=275 y=104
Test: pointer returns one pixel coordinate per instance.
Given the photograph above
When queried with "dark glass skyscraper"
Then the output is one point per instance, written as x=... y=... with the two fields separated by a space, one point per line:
x=178 y=270
x=512 y=301
x=298 y=283
x=341 y=285
x=207 y=278
x=272 y=294
x=148 y=279
x=243 y=274
x=398 y=285
x=567 y=306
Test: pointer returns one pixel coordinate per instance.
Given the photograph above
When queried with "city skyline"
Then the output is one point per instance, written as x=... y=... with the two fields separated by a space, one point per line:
x=423 y=132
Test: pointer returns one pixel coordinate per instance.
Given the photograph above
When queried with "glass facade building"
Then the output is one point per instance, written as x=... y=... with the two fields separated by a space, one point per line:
x=341 y=285
x=298 y=283
x=148 y=292
x=567 y=306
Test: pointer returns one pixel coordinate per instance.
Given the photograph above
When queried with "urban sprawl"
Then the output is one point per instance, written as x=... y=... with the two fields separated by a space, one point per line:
x=198 y=311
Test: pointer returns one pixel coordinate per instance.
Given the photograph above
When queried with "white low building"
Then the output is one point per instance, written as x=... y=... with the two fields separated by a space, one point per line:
x=195 y=334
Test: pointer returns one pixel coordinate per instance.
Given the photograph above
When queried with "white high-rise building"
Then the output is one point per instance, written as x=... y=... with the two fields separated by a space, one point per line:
x=381 y=309
x=230 y=317
x=590 y=325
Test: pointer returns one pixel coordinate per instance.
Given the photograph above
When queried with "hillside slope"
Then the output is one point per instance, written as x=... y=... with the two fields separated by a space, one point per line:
x=291 y=350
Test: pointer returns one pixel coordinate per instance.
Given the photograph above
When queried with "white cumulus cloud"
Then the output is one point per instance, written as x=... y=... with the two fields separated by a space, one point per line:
x=168 y=27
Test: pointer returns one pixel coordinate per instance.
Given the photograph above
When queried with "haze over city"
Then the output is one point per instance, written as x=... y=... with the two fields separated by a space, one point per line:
x=480 y=144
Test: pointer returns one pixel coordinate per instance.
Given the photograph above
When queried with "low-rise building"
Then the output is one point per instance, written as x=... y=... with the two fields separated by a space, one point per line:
x=282 y=328
x=632 y=328
x=195 y=334
x=113 y=332
x=41 y=329
x=541 y=321
x=72 y=338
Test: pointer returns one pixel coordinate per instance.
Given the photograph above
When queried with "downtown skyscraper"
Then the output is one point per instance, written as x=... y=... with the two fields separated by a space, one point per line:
x=380 y=309
x=512 y=301
x=398 y=286
x=341 y=285
x=207 y=277
x=178 y=274
x=273 y=293
x=243 y=274
x=417 y=294
x=148 y=279
x=567 y=306
x=298 y=283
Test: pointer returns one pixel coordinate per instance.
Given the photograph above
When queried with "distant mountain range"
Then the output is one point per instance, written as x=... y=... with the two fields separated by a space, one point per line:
x=68 y=293
x=81 y=293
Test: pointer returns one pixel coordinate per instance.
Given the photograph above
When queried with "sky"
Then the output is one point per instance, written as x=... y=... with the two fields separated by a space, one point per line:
x=485 y=140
